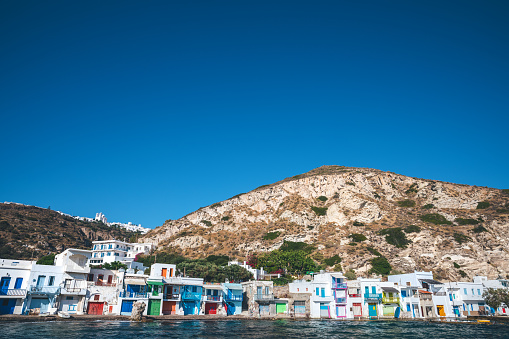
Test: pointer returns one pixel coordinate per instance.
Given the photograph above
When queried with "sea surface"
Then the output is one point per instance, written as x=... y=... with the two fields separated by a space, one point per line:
x=250 y=329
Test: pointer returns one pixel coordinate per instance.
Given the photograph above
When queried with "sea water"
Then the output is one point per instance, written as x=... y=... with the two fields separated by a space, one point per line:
x=250 y=329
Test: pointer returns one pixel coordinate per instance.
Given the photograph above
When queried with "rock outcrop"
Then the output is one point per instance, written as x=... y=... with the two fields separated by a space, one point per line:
x=326 y=206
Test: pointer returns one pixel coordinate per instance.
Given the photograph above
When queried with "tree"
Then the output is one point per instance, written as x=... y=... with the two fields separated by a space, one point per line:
x=495 y=297
x=380 y=266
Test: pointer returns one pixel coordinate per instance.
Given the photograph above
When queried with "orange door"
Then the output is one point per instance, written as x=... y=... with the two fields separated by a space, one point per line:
x=164 y=272
x=169 y=307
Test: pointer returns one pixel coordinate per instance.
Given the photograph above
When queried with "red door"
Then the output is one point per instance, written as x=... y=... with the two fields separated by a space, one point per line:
x=210 y=308
x=169 y=307
x=95 y=308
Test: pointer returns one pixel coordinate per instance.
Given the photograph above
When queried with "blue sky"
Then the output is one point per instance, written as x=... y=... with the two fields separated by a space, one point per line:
x=148 y=110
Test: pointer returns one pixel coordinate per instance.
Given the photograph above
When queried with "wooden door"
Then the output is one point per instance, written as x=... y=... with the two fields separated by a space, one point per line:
x=154 y=307
x=164 y=271
x=95 y=308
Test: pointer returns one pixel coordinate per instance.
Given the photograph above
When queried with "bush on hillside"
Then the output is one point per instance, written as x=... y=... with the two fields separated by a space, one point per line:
x=435 y=218
x=380 y=265
x=319 y=210
x=406 y=203
x=297 y=246
x=479 y=229
x=357 y=237
x=462 y=221
x=373 y=251
x=357 y=223
x=206 y=223
x=461 y=238
x=428 y=206
x=395 y=236
x=332 y=260
x=482 y=205
x=271 y=235
x=412 y=229
x=322 y=198
x=47 y=260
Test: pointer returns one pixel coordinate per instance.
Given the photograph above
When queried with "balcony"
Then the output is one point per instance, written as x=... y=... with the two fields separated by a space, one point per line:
x=264 y=297
x=341 y=300
x=171 y=296
x=322 y=299
x=353 y=295
x=339 y=286
x=440 y=294
x=14 y=292
x=133 y=294
x=44 y=290
x=196 y=296
x=106 y=284
x=216 y=298
x=233 y=297
x=390 y=300
x=373 y=296
x=470 y=297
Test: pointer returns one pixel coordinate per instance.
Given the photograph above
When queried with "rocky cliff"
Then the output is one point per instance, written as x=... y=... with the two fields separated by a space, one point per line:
x=459 y=231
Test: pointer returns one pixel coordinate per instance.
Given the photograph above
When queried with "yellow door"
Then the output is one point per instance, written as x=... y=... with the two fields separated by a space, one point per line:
x=441 y=311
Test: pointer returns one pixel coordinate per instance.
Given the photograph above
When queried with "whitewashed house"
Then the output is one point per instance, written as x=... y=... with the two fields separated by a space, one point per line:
x=14 y=275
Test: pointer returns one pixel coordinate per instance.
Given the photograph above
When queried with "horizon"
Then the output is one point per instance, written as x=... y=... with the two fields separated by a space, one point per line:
x=147 y=111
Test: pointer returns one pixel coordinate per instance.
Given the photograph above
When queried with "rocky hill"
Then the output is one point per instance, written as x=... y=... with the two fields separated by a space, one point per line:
x=457 y=230
x=28 y=232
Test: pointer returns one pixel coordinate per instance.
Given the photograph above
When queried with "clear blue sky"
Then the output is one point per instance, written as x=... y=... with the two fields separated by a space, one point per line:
x=148 y=110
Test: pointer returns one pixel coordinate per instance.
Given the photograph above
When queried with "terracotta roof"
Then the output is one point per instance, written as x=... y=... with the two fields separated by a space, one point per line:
x=422 y=291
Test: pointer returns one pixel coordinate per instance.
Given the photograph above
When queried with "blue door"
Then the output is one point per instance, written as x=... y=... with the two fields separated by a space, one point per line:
x=18 y=283
x=7 y=306
x=372 y=310
x=127 y=307
x=188 y=307
x=4 y=285
x=230 y=310
x=40 y=282
x=373 y=289
x=42 y=304
x=398 y=311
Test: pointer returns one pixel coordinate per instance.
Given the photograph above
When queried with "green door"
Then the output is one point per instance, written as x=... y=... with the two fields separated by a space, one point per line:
x=280 y=308
x=154 y=306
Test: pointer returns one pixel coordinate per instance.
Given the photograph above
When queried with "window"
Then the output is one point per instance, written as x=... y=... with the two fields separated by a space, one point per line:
x=116 y=254
x=90 y=277
x=51 y=280
x=109 y=254
x=102 y=254
x=465 y=291
x=110 y=247
x=267 y=290
x=117 y=246
x=373 y=289
x=479 y=291
x=408 y=307
x=306 y=289
x=297 y=289
x=450 y=297
x=317 y=291
x=473 y=292
x=69 y=298
x=18 y=283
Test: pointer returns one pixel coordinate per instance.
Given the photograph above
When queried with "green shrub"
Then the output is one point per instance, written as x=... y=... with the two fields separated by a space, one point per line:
x=461 y=238
x=310 y=227
x=332 y=260
x=357 y=237
x=319 y=210
x=356 y=223
x=350 y=275
x=380 y=265
x=322 y=198
x=456 y=265
x=226 y=218
x=479 y=229
x=505 y=191
x=353 y=244
x=217 y=204
x=376 y=195
x=282 y=281
x=412 y=229
x=435 y=218
x=428 y=206
x=337 y=268
x=462 y=221
x=271 y=235
x=297 y=246
x=206 y=223
x=351 y=183
x=47 y=260
x=412 y=189
x=482 y=205
x=373 y=251
x=395 y=236
x=406 y=203
x=462 y=273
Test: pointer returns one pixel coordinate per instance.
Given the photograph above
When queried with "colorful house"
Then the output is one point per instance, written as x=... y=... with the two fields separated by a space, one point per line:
x=390 y=300
x=212 y=299
x=103 y=291
x=232 y=299
x=372 y=297
x=134 y=289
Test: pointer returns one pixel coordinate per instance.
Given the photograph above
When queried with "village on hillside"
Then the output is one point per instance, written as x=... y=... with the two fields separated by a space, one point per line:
x=108 y=280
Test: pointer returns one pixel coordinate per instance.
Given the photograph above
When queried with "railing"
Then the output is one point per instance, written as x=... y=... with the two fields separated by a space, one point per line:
x=127 y=294
x=44 y=289
x=355 y=295
x=172 y=296
x=340 y=300
x=211 y=298
x=13 y=292
x=373 y=296
x=440 y=294
x=339 y=286
x=191 y=296
x=233 y=297
x=107 y=284
x=390 y=300
x=261 y=297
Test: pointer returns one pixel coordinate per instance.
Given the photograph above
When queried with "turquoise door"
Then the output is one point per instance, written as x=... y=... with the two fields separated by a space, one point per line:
x=188 y=307
x=40 y=281
x=398 y=311
x=372 y=310
x=42 y=304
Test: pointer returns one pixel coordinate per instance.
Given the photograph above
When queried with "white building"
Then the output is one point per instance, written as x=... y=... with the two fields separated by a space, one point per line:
x=101 y=218
x=258 y=274
x=108 y=251
x=496 y=284
x=14 y=275
x=468 y=295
